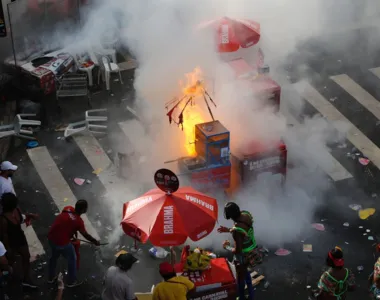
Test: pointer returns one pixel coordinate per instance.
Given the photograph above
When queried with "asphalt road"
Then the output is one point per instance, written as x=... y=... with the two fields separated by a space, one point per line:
x=288 y=276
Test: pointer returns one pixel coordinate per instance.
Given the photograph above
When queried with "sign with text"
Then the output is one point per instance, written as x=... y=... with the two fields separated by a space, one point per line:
x=227 y=292
x=166 y=181
x=3 y=28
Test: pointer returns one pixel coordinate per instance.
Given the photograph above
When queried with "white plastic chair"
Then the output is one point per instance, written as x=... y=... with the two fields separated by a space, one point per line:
x=88 y=70
x=17 y=128
x=89 y=125
x=107 y=67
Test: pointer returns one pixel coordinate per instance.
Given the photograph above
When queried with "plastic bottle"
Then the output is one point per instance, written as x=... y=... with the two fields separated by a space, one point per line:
x=158 y=252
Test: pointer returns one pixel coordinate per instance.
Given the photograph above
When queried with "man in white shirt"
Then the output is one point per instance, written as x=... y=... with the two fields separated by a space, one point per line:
x=7 y=170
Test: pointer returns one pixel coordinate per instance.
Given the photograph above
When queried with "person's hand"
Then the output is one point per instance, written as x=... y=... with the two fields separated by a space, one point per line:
x=226 y=243
x=61 y=285
x=97 y=243
x=223 y=229
x=34 y=216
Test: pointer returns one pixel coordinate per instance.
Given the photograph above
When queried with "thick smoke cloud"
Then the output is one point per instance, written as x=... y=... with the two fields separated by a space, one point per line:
x=162 y=35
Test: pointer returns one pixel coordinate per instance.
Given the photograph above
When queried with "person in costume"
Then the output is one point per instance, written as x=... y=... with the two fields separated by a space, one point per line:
x=246 y=253
x=337 y=280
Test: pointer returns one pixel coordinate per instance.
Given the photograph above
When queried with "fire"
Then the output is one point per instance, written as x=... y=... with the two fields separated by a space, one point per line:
x=193 y=87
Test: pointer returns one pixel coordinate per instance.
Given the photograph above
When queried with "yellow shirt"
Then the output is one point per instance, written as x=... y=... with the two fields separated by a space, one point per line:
x=175 y=288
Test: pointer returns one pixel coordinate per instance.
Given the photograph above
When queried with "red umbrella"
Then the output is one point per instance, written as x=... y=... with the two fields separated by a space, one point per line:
x=234 y=33
x=169 y=219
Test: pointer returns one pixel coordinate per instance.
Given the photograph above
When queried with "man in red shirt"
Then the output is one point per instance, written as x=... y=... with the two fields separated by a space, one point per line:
x=64 y=228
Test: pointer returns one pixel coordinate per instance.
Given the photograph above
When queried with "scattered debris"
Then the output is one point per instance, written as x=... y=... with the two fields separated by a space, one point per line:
x=360 y=227
x=355 y=207
x=364 y=234
x=158 y=252
x=374 y=195
x=342 y=146
x=318 y=226
x=364 y=161
x=347 y=243
x=346 y=224
x=56 y=214
x=88 y=181
x=370 y=238
x=308 y=286
x=366 y=213
x=266 y=284
x=368 y=230
x=98 y=151
x=65 y=199
x=120 y=252
x=79 y=181
x=333 y=99
x=282 y=252
x=307 y=248
x=32 y=144
x=360 y=268
x=97 y=171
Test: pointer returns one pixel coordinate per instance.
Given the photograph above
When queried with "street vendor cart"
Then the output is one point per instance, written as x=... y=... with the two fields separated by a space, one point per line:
x=217 y=282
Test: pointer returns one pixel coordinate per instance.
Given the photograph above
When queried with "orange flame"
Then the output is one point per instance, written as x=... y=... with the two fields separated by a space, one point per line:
x=193 y=115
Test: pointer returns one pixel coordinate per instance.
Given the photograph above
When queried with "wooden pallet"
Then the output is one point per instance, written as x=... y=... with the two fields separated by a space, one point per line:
x=256 y=278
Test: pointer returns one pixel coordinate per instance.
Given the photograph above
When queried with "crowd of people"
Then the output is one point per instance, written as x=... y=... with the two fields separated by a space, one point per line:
x=333 y=284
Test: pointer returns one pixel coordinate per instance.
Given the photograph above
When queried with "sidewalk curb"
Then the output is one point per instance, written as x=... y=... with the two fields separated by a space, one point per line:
x=8 y=112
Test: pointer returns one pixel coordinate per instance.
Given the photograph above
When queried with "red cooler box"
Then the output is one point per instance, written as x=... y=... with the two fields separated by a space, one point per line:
x=216 y=283
x=256 y=159
x=262 y=85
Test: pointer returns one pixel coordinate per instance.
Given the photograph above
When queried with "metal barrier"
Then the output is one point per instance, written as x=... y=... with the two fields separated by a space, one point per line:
x=39 y=26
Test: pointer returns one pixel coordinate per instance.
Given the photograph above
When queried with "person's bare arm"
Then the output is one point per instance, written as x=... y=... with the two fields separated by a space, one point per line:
x=89 y=237
x=238 y=238
x=4 y=234
x=59 y=294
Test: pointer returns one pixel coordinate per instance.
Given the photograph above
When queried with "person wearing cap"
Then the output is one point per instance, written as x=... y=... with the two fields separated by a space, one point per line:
x=173 y=287
x=65 y=227
x=117 y=283
x=7 y=170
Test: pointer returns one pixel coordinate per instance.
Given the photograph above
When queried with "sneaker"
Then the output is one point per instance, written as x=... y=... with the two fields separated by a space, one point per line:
x=29 y=285
x=74 y=284
x=54 y=280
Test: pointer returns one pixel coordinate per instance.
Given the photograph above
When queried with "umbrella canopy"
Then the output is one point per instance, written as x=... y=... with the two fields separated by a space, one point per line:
x=231 y=34
x=169 y=219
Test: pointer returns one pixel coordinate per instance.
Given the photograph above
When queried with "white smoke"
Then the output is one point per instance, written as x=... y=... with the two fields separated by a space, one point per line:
x=162 y=35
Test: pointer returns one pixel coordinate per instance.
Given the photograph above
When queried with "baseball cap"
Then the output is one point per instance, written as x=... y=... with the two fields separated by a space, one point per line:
x=166 y=268
x=7 y=165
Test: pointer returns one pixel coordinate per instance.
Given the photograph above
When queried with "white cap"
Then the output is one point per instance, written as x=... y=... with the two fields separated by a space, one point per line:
x=7 y=165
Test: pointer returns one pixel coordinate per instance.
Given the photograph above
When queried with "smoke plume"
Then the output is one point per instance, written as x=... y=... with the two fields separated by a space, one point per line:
x=162 y=35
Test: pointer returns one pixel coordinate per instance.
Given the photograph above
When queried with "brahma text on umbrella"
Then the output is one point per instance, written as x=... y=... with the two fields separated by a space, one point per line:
x=141 y=202
x=168 y=219
x=200 y=202
x=224 y=35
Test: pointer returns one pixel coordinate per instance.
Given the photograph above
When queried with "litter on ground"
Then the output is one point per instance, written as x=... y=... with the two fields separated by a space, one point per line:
x=307 y=248
x=355 y=207
x=346 y=224
x=364 y=161
x=366 y=213
x=318 y=226
x=79 y=181
x=282 y=252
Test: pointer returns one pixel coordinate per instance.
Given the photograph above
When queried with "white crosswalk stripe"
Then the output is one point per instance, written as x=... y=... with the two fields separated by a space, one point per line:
x=354 y=135
x=330 y=165
x=358 y=93
x=52 y=178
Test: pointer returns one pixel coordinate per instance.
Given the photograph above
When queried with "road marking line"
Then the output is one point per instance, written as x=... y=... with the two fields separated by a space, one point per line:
x=330 y=165
x=115 y=187
x=354 y=135
x=35 y=246
x=376 y=72
x=58 y=188
x=360 y=94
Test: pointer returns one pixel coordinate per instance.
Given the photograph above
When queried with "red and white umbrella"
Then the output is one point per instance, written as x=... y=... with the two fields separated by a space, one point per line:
x=169 y=219
x=231 y=34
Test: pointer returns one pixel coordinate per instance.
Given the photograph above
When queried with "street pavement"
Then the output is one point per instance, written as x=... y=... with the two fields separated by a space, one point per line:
x=341 y=86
